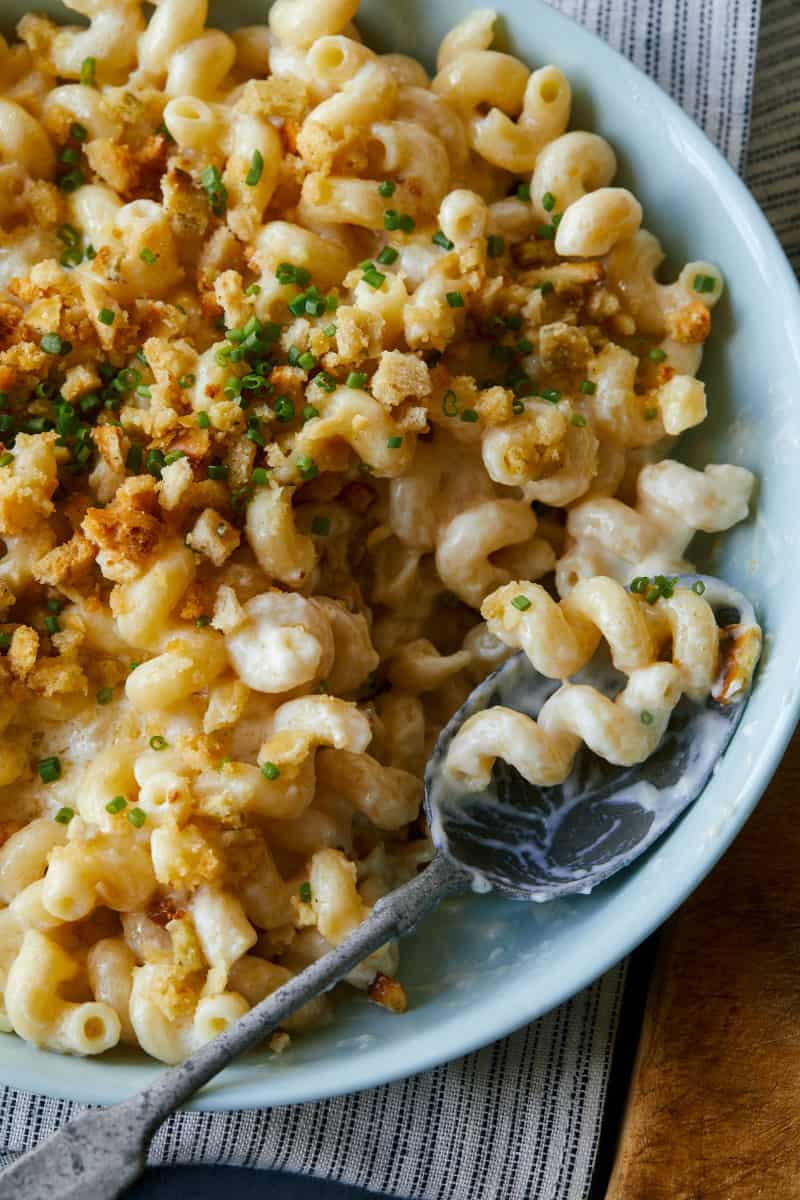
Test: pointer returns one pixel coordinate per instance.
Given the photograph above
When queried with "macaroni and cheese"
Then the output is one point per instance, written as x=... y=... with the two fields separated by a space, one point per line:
x=311 y=367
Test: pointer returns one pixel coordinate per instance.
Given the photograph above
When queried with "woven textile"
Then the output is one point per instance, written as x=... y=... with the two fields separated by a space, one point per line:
x=522 y=1117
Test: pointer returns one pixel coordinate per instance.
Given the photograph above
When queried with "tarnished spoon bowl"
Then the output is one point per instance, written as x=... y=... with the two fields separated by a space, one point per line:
x=539 y=843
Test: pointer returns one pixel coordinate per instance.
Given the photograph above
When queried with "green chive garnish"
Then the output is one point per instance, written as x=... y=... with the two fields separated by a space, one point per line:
x=270 y=771
x=136 y=817
x=116 y=805
x=256 y=169
x=157 y=742
x=106 y=316
x=64 y=815
x=49 y=769
x=357 y=379
x=521 y=602
x=394 y=442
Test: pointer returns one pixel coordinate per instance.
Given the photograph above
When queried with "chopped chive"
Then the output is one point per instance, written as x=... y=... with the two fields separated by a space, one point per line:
x=6 y=459
x=147 y=256
x=157 y=742
x=656 y=355
x=325 y=381
x=523 y=192
x=469 y=415
x=450 y=404
x=106 y=316
x=321 y=526
x=307 y=361
x=173 y=456
x=387 y=256
x=91 y=252
x=203 y=619
x=639 y=584
x=284 y=409
x=51 y=343
x=522 y=603
x=546 y=232
x=52 y=625
x=288 y=273
x=305 y=892
x=49 y=768
x=330 y=330
x=704 y=283
x=455 y=299
x=698 y=587
x=154 y=463
x=307 y=467
x=356 y=379
x=551 y=395
x=394 y=442
x=524 y=346
x=260 y=476
x=87 y=71
x=253 y=176
x=309 y=412
x=217 y=471
x=514 y=321
x=588 y=387
x=136 y=816
x=253 y=289
x=439 y=239
x=70 y=155
x=387 y=188
x=374 y=278
x=105 y=695
x=71 y=181
x=548 y=202
x=546 y=287
x=116 y=805
x=495 y=246
x=579 y=420
x=646 y=717
x=217 y=193
x=64 y=815
x=393 y=220
x=517 y=407
x=650 y=414
x=270 y=771
x=5 y=640
x=203 y=420
x=78 y=132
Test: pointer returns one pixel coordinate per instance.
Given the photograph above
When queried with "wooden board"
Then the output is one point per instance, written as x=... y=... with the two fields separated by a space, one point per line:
x=714 y=1106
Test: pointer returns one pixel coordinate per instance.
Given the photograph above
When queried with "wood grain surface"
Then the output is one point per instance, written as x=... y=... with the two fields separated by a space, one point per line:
x=714 y=1106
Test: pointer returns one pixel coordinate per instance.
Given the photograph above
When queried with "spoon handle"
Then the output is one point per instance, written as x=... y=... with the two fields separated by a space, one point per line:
x=99 y=1154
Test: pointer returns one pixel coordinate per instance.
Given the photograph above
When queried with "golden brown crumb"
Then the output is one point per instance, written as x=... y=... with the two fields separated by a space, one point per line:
x=563 y=347
x=389 y=993
x=400 y=377
x=66 y=562
x=690 y=324
x=22 y=651
x=126 y=531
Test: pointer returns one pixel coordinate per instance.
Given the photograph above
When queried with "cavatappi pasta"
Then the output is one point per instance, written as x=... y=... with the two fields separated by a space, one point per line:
x=306 y=360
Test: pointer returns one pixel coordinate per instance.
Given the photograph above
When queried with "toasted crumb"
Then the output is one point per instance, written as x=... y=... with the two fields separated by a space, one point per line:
x=389 y=993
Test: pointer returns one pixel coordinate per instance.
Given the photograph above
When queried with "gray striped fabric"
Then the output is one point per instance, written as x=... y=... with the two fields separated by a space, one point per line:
x=520 y=1119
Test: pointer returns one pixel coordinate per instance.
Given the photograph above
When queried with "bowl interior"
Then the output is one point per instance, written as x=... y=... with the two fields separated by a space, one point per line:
x=481 y=966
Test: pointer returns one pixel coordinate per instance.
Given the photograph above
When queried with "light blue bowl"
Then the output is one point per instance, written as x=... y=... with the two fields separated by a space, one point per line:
x=481 y=967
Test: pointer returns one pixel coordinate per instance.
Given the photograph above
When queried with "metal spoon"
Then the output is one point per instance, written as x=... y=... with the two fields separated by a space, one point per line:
x=524 y=842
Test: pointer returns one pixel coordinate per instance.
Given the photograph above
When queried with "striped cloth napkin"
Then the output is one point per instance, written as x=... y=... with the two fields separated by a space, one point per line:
x=520 y=1119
